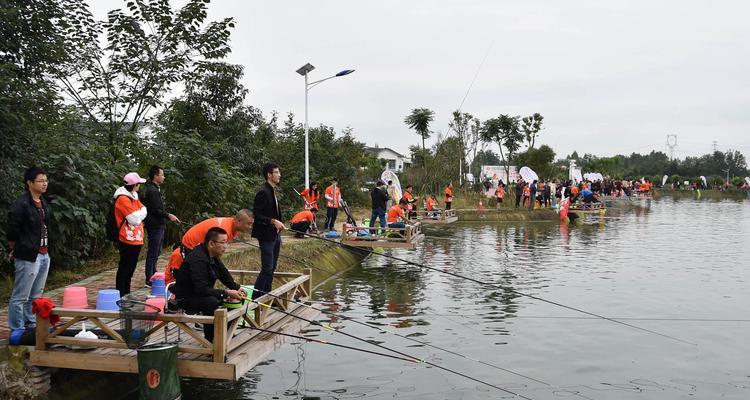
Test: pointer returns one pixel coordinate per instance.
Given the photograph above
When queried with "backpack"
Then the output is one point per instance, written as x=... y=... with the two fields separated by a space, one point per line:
x=111 y=228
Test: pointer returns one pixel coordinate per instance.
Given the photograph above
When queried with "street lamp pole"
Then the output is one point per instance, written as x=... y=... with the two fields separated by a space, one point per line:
x=304 y=70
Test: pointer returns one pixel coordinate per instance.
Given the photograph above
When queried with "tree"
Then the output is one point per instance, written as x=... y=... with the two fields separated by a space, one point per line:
x=503 y=130
x=460 y=125
x=419 y=120
x=531 y=126
x=149 y=48
x=540 y=160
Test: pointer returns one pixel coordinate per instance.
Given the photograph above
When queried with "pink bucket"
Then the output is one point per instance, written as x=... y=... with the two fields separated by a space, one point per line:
x=75 y=297
x=157 y=302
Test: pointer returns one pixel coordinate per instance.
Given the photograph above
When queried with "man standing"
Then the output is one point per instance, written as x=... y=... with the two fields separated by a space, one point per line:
x=411 y=202
x=448 y=196
x=196 y=278
x=519 y=192
x=267 y=228
x=28 y=244
x=333 y=201
x=379 y=199
x=156 y=219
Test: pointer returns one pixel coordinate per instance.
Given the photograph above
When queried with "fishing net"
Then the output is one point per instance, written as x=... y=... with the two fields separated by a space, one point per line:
x=136 y=318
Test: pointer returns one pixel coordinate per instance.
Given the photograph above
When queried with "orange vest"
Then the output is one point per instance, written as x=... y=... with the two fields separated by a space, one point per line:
x=448 y=195
x=334 y=201
x=394 y=213
x=193 y=237
x=431 y=204
x=409 y=200
x=311 y=198
x=124 y=206
x=303 y=216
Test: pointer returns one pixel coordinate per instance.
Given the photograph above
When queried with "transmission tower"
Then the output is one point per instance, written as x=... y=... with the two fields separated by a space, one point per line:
x=714 y=143
x=671 y=145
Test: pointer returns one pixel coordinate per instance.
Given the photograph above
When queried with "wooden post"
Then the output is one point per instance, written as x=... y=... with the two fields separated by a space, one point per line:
x=220 y=334
x=42 y=331
x=307 y=285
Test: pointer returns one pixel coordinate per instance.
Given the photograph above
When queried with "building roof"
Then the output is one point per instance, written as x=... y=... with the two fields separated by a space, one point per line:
x=379 y=149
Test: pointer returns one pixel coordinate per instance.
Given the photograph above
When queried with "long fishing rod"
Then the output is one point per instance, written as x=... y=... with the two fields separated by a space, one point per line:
x=412 y=358
x=334 y=344
x=402 y=336
x=496 y=286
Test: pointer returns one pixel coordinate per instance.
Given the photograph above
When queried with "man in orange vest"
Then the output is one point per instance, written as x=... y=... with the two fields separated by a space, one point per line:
x=448 y=196
x=411 y=202
x=301 y=222
x=397 y=216
x=242 y=222
x=333 y=201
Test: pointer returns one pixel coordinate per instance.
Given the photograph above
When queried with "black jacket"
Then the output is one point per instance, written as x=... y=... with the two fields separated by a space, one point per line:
x=198 y=273
x=265 y=209
x=155 y=206
x=24 y=227
x=379 y=198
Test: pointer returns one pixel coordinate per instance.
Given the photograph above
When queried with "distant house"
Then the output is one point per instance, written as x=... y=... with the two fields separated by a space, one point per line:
x=395 y=161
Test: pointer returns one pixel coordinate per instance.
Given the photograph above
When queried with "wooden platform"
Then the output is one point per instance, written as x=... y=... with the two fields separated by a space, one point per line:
x=389 y=238
x=234 y=351
x=437 y=217
x=641 y=196
x=590 y=208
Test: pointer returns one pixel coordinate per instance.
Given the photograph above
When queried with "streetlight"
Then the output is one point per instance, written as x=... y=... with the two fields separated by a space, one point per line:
x=304 y=70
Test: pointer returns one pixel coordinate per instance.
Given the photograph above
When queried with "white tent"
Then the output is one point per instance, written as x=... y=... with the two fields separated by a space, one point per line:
x=664 y=180
x=528 y=174
x=388 y=175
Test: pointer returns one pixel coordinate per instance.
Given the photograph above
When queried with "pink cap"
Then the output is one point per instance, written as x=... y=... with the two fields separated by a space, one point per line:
x=132 y=178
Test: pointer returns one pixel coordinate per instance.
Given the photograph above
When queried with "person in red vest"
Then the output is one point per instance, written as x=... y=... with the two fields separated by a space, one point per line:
x=301 y=222
x=242 y=222
x=397 y=215
x=411 y=201
x=448 y=196
x=311 y=196
x=333 y=201
x=129 y=216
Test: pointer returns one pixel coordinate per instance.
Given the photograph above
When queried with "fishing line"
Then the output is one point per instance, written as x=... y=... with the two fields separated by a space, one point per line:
x=410 y=357
x=405 y=337
x=497 y=286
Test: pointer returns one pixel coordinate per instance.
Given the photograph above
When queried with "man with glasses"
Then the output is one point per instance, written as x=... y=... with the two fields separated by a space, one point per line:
x=28 y=246
x=197 y=276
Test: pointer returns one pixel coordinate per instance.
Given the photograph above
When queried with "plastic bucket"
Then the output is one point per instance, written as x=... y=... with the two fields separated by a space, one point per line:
x=158 y=288
x=107 y=299
x=157 y=372
x=75 y=297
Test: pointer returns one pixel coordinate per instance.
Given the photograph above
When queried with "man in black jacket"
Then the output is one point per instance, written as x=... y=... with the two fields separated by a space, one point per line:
x=267 y=228
x=29 y=242
x=156 y=219
x=379 y=197
x=197 y=276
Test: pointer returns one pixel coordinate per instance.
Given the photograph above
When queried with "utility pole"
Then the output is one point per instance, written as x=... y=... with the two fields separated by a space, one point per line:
x=714 y=145
x=671 y=145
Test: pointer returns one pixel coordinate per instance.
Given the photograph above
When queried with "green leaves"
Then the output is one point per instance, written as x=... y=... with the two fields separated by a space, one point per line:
x=419 y=120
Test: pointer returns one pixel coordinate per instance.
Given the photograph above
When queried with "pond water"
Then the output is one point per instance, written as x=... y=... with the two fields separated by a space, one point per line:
x=679 y=269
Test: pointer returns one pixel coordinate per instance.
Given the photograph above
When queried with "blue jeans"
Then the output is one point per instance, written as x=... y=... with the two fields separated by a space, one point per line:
x=155 y=241
x=377 y=213
x=397 y=225
x=269 y=256
x=27 y=286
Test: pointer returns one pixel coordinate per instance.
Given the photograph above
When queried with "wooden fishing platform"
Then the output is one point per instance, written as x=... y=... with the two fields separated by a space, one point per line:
x=388 y=238
x=587 y=208
x=437 y=216
x=234 y=351
x=641 y=196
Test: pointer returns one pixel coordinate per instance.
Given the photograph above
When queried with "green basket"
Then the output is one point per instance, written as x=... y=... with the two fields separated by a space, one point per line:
x=241 y=304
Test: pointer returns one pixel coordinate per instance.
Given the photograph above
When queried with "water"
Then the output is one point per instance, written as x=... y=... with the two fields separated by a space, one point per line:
x=679 y=269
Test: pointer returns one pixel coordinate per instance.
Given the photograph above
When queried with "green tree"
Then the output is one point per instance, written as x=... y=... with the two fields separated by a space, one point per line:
x=504 y=131
x=531 y=126
x=461 y=124
x=419 y=120
x=149 y=49
x=540 y=160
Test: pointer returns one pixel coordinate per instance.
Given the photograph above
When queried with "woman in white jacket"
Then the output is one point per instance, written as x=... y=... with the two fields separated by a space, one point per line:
x=129 y=216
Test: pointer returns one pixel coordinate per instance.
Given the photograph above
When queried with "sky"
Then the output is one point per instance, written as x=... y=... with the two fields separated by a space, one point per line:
x=609 y=77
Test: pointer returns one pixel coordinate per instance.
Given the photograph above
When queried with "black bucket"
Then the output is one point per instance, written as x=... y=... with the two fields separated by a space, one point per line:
x=157 y=372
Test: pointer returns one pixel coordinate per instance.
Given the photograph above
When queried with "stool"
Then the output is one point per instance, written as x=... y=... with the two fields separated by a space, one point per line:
x=107 y=299
x=75 y=297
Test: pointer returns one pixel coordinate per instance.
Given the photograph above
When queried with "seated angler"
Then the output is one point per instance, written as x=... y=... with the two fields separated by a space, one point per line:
x=197 y=276
x=397 y=215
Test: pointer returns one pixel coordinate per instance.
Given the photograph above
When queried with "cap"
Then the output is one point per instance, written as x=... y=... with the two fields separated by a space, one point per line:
x=133 y=178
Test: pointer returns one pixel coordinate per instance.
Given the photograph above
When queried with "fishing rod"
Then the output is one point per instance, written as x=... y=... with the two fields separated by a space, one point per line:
x=402 y=336
x=410 y=357
x=496 y=286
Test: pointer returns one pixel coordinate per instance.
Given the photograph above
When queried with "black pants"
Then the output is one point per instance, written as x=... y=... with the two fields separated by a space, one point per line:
x=302 y=226
x=203 y=305
x=126 y=267
x=269 y=257
x=331 y=214
x=448 y=205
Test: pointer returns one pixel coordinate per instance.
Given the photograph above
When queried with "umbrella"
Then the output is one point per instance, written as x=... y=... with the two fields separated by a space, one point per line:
x=528 y=174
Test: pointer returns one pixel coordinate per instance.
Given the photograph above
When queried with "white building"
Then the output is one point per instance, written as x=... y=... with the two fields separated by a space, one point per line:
x=395 y=161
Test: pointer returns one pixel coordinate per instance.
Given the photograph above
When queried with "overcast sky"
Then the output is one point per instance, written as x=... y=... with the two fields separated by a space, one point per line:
x=608 y=76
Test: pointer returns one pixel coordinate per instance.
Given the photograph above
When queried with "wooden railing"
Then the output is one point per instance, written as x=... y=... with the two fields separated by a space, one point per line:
x=227 y=337
x=436 y=215
x=405 y=235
